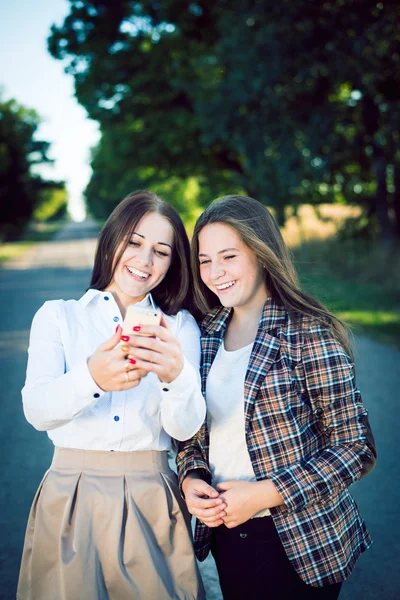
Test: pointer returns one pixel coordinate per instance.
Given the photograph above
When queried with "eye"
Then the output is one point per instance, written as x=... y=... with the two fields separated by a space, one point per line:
x=204 y=262
x=133 y=243
x=161 y=253
x=229 y=256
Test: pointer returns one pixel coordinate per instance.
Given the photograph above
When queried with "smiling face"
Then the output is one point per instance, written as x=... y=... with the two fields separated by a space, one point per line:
x=145 y=261
x=230 y=269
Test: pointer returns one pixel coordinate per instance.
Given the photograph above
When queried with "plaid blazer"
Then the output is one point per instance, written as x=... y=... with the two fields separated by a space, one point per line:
x=306 y=430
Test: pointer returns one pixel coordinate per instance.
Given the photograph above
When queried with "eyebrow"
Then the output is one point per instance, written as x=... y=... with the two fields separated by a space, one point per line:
x=161 y=243
x=224 y=250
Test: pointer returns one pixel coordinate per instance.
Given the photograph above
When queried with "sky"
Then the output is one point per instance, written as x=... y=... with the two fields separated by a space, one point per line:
x=32 y=77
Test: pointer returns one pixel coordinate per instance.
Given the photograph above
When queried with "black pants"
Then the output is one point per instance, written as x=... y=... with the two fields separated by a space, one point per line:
x=252 y=565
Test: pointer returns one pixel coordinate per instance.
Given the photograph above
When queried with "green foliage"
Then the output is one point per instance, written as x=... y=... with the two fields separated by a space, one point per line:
x=358 y=280
x=20 y=189
x=53 y=203
x=290 y=102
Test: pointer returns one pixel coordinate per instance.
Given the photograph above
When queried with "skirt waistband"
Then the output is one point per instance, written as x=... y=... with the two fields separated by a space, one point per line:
x=109 y=461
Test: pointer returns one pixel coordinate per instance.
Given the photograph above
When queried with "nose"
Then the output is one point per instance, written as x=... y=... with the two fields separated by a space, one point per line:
x=216 y=270
x=144 y=256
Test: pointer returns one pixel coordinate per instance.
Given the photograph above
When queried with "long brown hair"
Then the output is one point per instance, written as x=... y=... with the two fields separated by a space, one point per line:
x=260 y=232
x=175 y=290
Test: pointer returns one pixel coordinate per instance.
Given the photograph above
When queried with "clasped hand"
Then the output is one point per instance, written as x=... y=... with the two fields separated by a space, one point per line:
x=231 y=503
x=158 y=352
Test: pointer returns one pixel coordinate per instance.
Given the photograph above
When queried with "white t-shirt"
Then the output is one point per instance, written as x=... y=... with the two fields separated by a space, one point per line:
x=61 y=397
x=229 y=457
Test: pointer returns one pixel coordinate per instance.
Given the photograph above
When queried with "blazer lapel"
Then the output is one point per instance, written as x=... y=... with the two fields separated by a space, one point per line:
x=263 y=354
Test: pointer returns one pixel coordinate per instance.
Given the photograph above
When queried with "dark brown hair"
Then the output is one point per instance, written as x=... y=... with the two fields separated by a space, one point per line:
x=175 y=290
x=260 y=232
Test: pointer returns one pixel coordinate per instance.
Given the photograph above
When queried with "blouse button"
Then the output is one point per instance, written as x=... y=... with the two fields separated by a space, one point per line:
x=116 y=319
x=106 y=298
x=96 y=395
x=165 y=390
x=318 y=412
x=116 y=418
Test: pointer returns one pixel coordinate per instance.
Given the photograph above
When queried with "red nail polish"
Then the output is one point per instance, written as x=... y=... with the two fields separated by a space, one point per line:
x=132 y=361
x=136 y=328
x=125 y=338
x=116 y=329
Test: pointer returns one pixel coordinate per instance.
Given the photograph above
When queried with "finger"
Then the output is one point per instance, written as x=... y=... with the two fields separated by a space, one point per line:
x=213 y=518
x=149 y=356
x=146 y=342
x=135 y=374
x=204 y=488
x=210 y=513
x=112 y=341
x=163 y=322
x=213 y=524
x=196 y=501
x=224 y=486
x=158 y=331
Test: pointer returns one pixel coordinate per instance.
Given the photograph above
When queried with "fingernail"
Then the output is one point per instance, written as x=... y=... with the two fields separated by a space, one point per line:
x=125 y=338
x=136 y=328
x=132 y=361
x=116 y=329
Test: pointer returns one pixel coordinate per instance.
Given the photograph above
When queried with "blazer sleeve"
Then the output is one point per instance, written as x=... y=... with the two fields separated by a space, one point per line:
x=350 y=455
x=191 y=456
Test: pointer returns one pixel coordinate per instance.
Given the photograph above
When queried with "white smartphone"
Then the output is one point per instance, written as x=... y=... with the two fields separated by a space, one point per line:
x=139 y=315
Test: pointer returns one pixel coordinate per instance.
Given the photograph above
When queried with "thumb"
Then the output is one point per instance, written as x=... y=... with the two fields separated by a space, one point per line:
x=112 y=341
x=204 y=488
x=223 y=486
x=163 y=322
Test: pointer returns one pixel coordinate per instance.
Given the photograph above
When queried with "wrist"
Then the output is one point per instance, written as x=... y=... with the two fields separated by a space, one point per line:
x=268 y=495
x=191 y=475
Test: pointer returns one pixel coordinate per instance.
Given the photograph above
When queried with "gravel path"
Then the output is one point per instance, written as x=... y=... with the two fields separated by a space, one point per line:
x=61 y=269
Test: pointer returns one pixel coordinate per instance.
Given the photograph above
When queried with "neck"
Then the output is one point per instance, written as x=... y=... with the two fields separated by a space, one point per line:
x=243 y=326
x=250 y=312
x=122 y=300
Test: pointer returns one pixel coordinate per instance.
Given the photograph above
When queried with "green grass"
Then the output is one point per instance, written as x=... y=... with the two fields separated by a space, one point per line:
x=359 y=282
x=33 y=234
x=13 y=249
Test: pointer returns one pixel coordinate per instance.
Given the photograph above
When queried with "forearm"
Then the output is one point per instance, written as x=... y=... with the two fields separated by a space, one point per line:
x=52 y=402
x=313 y=481
x=183 y=408
x=267 y=495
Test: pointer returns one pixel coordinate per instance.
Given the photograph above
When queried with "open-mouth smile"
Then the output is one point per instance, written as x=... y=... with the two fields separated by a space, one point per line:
x=136 y=274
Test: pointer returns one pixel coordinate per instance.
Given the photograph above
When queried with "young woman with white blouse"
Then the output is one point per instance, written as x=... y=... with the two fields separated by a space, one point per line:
x=108 y=520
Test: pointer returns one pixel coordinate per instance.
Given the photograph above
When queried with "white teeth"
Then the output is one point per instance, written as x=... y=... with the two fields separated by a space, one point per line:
x=139 y=273
x=224 y=286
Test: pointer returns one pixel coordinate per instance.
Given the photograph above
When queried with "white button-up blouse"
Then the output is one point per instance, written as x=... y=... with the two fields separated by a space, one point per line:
x=61 y=397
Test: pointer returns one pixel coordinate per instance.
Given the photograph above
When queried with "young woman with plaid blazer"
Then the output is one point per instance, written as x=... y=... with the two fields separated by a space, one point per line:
x=267 y=475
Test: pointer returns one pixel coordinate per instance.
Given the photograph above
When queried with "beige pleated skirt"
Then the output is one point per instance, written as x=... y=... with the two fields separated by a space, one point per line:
x=109 y=525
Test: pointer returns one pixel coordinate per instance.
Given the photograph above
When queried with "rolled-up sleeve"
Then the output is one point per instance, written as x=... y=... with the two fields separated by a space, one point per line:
x=51 y=396
x=330 y=383
x=183 y=408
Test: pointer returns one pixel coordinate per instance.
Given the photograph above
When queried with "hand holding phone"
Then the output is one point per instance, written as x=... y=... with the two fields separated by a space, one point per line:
x=139 y=315
x=159 y=353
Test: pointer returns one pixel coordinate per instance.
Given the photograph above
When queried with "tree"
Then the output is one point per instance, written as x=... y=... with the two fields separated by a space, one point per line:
x=20 y=189
x=290 y=101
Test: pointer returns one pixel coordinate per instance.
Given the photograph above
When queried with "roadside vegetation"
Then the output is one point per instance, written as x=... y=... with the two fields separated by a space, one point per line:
x=356 y=278
x=33 y=234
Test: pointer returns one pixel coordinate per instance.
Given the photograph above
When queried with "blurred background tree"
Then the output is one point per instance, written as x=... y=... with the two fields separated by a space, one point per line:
x=22 y=192
x=290 y=103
